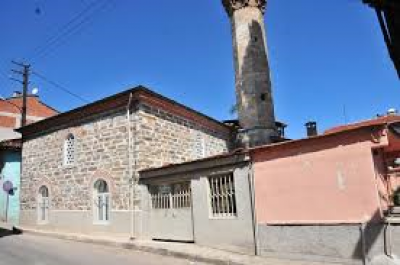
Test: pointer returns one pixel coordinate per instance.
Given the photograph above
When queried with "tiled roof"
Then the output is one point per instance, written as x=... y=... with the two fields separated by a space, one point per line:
x=377 y=121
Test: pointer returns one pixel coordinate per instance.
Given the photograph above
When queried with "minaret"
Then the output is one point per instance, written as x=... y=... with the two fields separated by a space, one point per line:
x=252 y=75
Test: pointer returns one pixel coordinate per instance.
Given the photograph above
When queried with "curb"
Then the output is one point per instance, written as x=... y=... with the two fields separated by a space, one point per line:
x=130 y=246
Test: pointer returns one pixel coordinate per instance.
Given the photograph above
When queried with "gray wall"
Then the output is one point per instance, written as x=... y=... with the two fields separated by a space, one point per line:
x=82 y=222
x=336 y=243
x=234 y=234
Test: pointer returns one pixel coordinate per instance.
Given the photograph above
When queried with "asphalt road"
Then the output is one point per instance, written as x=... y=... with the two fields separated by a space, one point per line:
x=36 y=250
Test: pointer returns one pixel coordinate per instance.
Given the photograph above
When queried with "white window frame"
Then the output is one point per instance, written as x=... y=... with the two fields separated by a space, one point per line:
x=43 y=205
x=216 y=200
x=101 y=206
x=69 y=146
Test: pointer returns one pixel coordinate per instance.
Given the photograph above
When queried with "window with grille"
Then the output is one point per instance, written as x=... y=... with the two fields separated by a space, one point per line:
x=174 y=196
x=43 y=205
x=101 y=202
x=222 y=196
x=69 y=150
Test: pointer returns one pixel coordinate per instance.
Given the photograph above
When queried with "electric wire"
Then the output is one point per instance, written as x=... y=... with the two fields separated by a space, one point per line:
x=62 y=88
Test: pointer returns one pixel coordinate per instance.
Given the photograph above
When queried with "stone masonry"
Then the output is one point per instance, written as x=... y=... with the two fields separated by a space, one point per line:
x=252 y=73
x=101 y=151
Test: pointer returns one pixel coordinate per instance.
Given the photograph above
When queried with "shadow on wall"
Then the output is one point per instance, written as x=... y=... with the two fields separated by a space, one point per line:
x=254 y=95
x=372 y=234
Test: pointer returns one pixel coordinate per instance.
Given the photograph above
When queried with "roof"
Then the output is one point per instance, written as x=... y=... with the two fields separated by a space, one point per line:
x=372 y=122
x=378 y=122
x=13 y=144
x=224 y=159
x=118 y=101
x=388 y=13
x=34 y=107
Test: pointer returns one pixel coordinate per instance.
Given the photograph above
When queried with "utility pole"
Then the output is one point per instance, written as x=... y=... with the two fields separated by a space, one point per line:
x=25 y=82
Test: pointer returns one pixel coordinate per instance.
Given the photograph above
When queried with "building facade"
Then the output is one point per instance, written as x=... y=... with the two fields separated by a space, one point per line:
x=80 y=167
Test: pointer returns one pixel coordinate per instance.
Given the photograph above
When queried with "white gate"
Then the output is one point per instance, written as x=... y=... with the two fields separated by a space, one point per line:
x=171 y=212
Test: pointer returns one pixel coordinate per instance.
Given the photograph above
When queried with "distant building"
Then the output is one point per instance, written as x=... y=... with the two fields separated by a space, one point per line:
x=10 y=114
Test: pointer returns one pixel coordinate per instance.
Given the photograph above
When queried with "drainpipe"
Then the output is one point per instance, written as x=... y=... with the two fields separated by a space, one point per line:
x=252 y=206
x=130 y=167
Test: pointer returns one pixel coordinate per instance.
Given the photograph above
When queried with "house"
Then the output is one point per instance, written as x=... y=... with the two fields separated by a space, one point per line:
x=11 y=109
x=80 y=168
x=330 y=196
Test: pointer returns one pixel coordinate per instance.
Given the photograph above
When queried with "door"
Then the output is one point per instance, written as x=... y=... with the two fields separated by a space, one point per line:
x=171 y=212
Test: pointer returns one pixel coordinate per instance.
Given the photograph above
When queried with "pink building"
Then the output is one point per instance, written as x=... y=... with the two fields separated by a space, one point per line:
x=329 y=195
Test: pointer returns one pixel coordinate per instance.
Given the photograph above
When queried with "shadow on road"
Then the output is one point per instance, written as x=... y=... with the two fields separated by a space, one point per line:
x=7 y=232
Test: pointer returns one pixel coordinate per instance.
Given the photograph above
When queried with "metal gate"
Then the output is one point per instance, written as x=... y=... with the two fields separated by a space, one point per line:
x=171 y=212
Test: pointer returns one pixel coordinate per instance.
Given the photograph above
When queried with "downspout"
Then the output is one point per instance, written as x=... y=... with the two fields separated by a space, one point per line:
x=130 y=168
x=252 y=206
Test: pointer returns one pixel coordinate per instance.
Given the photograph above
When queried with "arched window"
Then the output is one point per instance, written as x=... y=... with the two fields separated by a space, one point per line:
x=43 y=204
x=69 y=150
x=101 y=205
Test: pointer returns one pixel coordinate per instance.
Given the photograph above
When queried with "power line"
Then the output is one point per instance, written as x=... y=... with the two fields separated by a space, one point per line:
x=56 y=85
x=69 y=29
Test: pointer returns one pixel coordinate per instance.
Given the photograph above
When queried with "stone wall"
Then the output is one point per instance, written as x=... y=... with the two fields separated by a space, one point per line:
x=100 y=152
x=164 y=138
x=159 y=138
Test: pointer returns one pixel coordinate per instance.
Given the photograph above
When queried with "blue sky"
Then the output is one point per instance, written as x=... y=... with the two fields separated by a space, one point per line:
x=324 y=55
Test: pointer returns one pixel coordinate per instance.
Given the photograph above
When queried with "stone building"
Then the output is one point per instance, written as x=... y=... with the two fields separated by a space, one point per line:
x=80 y=167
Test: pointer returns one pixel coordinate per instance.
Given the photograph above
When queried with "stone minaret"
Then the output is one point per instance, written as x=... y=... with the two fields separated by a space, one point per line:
x=253 y=84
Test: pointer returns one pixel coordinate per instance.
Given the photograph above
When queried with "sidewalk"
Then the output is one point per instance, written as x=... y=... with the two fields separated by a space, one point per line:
x=187 y=251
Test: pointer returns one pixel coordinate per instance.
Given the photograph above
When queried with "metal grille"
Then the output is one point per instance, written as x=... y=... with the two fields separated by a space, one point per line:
x=222 y=196
x=171 y=196
x=69 y=150
x=102 y=204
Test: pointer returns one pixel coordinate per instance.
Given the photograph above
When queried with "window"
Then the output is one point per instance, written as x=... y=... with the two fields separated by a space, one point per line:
x=176 y=196
x=69 y=150
x=101 y=202
x=222 y=195
x=43 y=204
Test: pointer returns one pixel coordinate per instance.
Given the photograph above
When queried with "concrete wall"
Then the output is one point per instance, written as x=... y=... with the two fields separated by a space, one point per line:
x=309 y=182
x=334 y=243
x=82 y=222
x=236 y=233
x=12 y=172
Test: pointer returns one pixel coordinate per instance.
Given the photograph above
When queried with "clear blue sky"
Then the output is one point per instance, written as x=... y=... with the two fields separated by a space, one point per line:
x=324 y=55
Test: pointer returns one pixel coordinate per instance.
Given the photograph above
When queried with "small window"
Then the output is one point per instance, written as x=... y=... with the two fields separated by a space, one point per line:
x=43 y=204
x=222 y=196
x=69 y=150
x=101 y=202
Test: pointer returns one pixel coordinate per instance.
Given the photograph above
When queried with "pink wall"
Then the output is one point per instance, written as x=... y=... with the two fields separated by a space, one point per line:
x=328 y=179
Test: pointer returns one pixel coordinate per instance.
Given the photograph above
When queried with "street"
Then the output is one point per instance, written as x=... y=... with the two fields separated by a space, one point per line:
x=36 y=250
